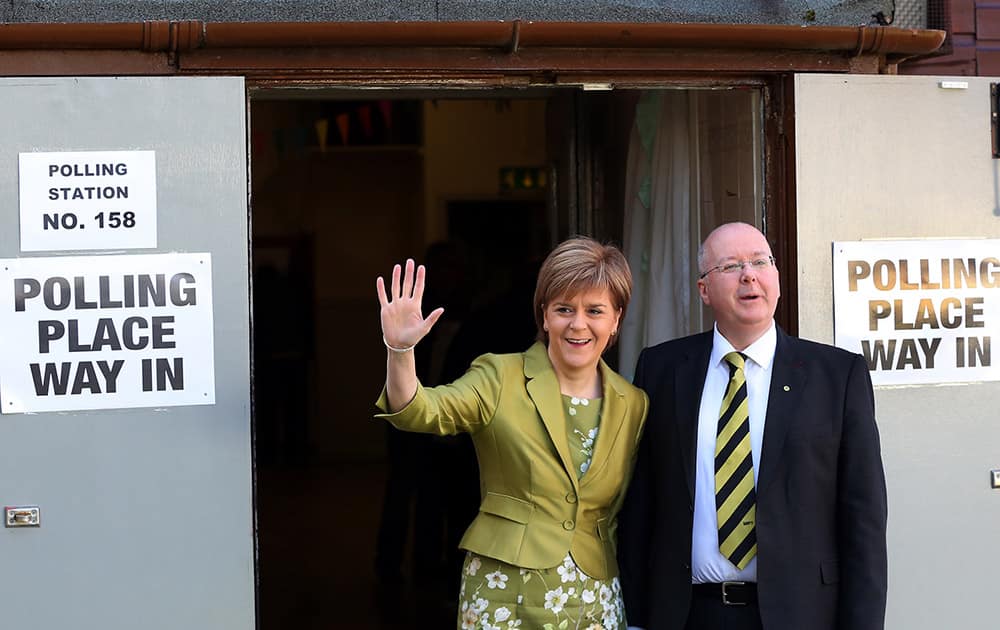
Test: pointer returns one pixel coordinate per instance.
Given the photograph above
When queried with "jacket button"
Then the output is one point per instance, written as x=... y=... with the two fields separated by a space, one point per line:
x=568 y=524
x=570 y=498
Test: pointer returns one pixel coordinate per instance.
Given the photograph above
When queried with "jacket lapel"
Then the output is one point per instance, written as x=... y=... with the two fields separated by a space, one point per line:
x=543 y=388
x=613 y=410
x=689 y=381
x=788 y=382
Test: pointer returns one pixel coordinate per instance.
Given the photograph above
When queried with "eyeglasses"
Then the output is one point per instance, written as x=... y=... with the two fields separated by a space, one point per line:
x=757 y=264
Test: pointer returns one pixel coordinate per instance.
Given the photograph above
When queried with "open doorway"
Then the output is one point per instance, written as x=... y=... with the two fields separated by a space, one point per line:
x=358 y=523
x=342 y=189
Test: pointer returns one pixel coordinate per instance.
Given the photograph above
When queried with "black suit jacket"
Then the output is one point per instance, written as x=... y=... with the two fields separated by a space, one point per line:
x=821 y=499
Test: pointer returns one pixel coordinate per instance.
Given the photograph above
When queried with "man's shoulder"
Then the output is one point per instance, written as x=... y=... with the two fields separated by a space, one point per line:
x=824 y=351
x=680 y=346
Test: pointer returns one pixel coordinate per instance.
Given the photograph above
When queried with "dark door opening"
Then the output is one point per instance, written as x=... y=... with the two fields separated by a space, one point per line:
x=358 y=524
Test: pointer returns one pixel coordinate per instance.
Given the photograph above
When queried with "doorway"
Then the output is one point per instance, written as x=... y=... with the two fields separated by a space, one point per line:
x=358 y=523
x=342 y=189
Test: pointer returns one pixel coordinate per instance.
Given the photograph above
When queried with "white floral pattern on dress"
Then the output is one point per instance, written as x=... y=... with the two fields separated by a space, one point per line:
x=586 y=439
x=587 y=445
x=575 y=600
x=496 y=580
x=567 y=570
x=556 y=599
x=474 y=565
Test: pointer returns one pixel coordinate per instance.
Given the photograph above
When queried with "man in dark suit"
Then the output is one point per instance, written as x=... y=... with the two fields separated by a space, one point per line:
x=758 y=499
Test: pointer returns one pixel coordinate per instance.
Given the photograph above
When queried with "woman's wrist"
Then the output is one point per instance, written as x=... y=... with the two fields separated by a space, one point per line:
x=392 y=348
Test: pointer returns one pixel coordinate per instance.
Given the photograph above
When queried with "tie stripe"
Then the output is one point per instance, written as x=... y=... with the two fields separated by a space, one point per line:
x=735 y=498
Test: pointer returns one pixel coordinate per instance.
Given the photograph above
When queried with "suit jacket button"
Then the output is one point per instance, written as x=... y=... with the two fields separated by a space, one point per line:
x=568 y=524
x=570 y=497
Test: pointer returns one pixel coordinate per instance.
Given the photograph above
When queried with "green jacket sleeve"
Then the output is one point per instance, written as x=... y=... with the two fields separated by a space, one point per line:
x=465 y=405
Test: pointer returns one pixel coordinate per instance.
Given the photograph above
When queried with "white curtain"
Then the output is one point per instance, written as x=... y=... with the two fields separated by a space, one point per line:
x=658 y=223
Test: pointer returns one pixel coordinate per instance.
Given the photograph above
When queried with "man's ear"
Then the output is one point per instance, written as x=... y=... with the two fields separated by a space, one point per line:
x=703 y=292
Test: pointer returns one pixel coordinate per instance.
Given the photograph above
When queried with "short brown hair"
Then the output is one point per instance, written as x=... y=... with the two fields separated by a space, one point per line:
x=578 y=265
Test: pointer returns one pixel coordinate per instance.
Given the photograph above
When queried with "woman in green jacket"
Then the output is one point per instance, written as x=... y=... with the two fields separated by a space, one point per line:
x=555 y=432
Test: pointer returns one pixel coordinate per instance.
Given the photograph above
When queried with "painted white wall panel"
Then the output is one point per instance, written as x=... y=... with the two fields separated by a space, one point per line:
x=146 y=513
x=894 y=157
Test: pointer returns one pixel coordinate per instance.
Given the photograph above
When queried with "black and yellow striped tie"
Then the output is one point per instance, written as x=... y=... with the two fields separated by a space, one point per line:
x=735 y=499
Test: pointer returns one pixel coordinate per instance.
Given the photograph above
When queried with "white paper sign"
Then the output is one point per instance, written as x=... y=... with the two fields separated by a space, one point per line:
x=919 y=311
x=102 y=332
x=87 y=200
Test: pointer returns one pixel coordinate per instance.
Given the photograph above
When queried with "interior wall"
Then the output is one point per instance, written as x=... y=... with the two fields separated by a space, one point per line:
x=466 y=144
x=361 y=209
x=341 y=201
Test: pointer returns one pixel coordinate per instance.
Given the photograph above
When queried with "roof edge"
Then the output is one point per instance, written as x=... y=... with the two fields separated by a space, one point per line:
x=176 y=36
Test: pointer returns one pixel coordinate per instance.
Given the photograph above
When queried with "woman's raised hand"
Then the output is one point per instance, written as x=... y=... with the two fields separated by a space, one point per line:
x=403 y=323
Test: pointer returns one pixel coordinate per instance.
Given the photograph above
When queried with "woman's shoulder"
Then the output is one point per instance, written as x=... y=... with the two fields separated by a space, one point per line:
x=622 y=385
x=501 y=364
x=504 y=359
x=533 y=354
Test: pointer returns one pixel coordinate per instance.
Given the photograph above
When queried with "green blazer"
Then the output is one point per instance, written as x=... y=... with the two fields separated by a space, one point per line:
x=534 y=509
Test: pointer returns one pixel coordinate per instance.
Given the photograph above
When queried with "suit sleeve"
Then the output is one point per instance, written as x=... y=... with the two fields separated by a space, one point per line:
x=635 y=525
x=861 y=509
x=464 y=406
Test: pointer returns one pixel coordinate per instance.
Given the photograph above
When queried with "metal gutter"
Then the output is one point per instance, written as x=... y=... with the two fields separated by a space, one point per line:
x=508 y=37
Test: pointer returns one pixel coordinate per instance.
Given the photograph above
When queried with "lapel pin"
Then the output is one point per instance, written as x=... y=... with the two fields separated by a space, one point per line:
x=787 y=388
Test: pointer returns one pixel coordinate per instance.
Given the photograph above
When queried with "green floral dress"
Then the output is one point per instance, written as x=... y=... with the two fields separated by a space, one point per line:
x=500 y=596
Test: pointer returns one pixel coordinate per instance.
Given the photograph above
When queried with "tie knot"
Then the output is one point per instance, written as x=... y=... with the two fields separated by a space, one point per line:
x=736 y=359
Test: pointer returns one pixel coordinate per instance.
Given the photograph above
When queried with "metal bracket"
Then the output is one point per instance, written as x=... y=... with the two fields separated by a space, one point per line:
x=994 y=122
x=22 y=516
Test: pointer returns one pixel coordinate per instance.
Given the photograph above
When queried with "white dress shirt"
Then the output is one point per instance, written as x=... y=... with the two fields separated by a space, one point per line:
x=707 y=562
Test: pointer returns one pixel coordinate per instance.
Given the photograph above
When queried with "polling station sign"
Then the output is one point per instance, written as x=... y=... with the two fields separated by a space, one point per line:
x=87 y=200
x=104 y=332
x=920 y=311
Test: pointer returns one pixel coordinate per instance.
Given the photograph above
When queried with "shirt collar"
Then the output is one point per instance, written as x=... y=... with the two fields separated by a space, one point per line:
x=760 y=352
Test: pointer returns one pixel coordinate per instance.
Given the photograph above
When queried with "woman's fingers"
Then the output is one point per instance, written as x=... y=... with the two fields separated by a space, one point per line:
x=408 y=279
x=418 y=285
x=432 y=319
x=407 y=283
x=396 y=289
x=383 y=299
